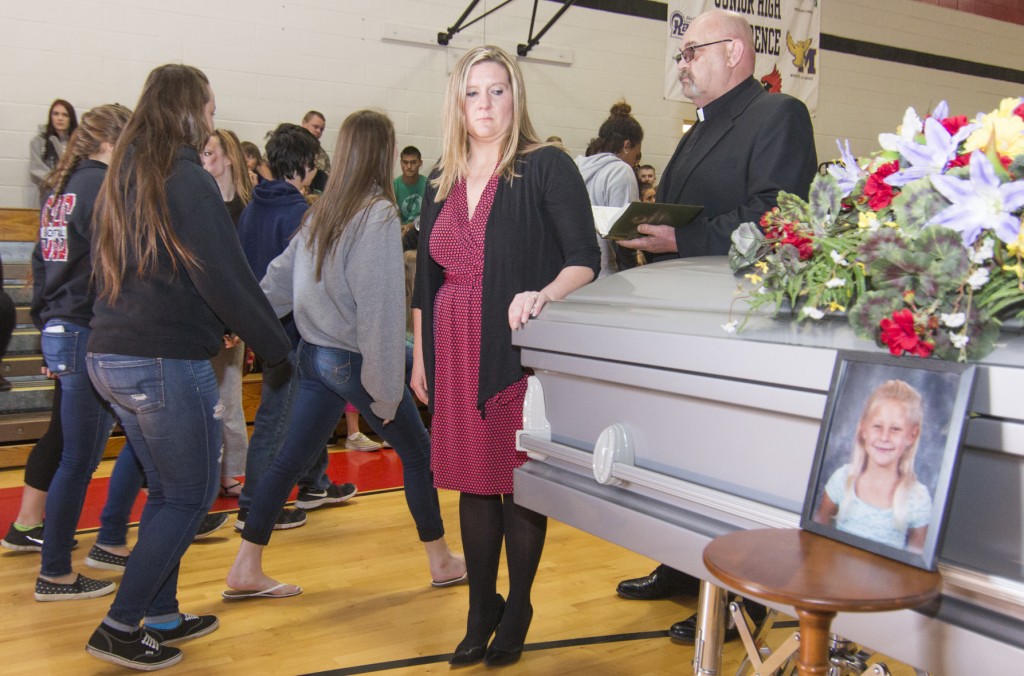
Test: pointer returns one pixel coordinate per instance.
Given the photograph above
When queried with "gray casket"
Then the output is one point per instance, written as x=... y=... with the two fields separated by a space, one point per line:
x=654 y=428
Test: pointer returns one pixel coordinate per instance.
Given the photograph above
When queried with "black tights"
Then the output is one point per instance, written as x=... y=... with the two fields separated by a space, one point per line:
x=485 y=520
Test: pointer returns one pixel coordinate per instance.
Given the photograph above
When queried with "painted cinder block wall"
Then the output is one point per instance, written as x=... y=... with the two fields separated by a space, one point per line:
x=270 y=61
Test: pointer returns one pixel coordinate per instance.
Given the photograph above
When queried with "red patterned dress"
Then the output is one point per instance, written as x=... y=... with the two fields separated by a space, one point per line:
x=469 y=453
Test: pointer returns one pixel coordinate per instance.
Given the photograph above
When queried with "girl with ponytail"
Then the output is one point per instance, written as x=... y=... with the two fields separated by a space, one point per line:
x=62 y=302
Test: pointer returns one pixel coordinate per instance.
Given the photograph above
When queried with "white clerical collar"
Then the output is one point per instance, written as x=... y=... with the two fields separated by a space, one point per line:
x=700 y=114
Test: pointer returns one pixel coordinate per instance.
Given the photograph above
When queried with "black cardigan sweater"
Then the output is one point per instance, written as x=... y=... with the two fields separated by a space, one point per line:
x=540 y=223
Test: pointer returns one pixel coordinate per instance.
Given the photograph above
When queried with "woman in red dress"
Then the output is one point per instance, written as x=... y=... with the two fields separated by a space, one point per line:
x=506 y=226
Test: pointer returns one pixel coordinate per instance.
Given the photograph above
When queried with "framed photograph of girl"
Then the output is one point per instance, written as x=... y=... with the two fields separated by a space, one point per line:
x=887 y=454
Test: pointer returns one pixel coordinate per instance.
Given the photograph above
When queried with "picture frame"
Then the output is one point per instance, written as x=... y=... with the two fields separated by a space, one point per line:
x=875 y=483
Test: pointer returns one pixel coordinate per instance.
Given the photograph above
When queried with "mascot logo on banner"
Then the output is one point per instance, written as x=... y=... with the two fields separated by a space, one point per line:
x=677 y=25
x=803 y=54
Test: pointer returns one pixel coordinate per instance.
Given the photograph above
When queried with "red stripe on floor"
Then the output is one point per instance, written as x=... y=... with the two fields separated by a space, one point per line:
x=368 y=471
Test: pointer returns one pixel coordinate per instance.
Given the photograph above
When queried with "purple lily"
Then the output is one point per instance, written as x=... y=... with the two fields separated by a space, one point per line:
x=980 y=202
x=932 y=157
x=846 y=172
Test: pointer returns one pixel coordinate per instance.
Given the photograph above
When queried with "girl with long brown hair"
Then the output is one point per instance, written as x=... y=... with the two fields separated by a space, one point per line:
x=48 y=147
x=342 y=276
x=170 y=275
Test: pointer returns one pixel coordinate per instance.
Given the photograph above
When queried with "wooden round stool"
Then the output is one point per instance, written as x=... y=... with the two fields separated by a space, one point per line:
x=818 y=577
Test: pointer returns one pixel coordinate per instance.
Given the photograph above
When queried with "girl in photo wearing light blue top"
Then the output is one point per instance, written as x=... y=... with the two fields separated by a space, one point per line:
x=877 y=495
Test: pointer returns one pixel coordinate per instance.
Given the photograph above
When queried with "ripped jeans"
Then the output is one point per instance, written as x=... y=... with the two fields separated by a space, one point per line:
x=170 y=410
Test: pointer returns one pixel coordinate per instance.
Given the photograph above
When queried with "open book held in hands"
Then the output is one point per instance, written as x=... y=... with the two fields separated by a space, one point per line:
x=621 y=222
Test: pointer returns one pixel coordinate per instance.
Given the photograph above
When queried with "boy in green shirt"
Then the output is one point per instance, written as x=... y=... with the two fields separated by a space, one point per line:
x=409 y=187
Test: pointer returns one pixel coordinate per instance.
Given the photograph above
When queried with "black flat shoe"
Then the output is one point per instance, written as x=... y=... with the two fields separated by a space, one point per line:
x=502 y=657
x=465 y=655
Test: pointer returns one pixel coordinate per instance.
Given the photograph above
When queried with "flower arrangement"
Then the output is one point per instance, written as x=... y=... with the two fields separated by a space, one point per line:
x=921 y=244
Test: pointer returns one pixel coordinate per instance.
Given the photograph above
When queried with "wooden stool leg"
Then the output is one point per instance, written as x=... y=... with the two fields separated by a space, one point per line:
x=814 y=632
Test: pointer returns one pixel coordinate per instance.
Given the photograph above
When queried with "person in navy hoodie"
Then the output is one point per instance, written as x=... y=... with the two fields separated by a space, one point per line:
x=264 y=229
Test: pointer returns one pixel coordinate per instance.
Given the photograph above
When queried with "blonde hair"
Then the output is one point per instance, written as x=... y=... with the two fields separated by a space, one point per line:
x=522 y=138
x=102 y=124
x=361 y=176
x=904 y=394
x=232 y=147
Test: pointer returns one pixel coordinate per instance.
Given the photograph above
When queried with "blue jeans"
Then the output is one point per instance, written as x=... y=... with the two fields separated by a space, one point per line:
x=329 y=377
x=170 y=411
x=86 y=422
x=269 y=427
x=124 y=486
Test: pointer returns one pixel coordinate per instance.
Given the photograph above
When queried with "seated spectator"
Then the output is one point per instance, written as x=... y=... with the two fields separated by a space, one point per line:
x=645 y=174
x=46 y=149
x=258 y=169
x=314 y=122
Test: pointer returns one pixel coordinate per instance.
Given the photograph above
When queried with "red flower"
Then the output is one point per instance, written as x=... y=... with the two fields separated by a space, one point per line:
x=961 y=161
x=804 y=245
x=954 y=124
x=901 y=336
x=878 y=192
x=1019 y=111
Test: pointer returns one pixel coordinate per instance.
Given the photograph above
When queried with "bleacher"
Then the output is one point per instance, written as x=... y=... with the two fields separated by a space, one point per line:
x=25 y=409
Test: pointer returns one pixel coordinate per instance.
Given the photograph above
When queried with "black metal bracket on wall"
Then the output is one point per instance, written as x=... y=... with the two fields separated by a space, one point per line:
x=531 y=41
x=444 y=37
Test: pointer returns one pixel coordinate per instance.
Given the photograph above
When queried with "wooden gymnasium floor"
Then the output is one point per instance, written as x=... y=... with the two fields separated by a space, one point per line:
x=367 y=608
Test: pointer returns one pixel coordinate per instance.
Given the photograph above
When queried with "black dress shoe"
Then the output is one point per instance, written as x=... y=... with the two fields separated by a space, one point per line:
x=465 y=655
x=662 y=583
x=686 y=631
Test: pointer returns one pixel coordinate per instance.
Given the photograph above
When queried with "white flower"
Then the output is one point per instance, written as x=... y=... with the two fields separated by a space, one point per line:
x=762 y=290
x=813 y=312
x=959 y=341
x=835 y=282
x=838 y=258
x=978 y=278
x=983 y=253
x=954 y=320
x=910 y=128
x=730 y=327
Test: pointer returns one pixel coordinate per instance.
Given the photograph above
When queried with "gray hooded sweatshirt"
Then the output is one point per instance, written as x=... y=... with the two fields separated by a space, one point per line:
x=610 y=183
x=359 y=303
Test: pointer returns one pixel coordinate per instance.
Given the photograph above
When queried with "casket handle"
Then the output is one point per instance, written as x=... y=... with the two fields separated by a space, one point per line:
x=535 y=419
x=614 y=445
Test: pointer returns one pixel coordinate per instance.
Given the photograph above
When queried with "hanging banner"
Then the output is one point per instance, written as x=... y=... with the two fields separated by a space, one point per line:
x=786 y=39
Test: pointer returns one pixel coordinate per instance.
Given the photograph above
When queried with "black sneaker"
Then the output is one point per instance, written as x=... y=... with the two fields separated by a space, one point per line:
x=210 y=523
x=104 y=560
x=82 y=588
x=133 y=649
x=30 y=540
x=192 y=626
x=335 y=494
x=287 y=519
